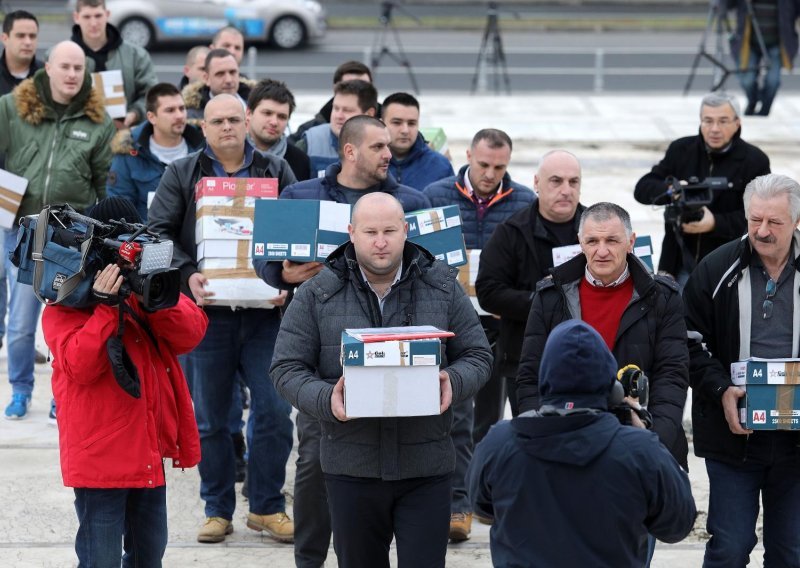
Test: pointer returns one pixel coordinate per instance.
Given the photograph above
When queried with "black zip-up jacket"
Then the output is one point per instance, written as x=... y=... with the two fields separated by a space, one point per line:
x=173 y=213
x=651 y=335
x=518 y=255
x=687 y=157
x=8 y=81
x=714 y=321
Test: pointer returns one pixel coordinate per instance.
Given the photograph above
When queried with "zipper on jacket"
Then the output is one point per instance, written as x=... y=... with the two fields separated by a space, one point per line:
x=50 y=164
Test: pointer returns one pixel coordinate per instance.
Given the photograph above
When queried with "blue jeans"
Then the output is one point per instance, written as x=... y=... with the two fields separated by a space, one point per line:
x=771 y=471
x=242 y=341
x=3 y=287
x=115 y=519
x=23 y=317
x=764 y=93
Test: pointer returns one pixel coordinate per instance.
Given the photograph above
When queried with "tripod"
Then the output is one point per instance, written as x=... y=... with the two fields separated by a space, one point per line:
x=718 y=20
x=380 y=46
x=492 y=53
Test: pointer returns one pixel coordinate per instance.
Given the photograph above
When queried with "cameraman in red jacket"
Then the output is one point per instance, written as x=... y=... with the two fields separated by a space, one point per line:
x=113 y=443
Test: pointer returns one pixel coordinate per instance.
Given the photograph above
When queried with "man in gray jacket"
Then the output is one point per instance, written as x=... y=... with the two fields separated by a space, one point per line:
x=400 y=469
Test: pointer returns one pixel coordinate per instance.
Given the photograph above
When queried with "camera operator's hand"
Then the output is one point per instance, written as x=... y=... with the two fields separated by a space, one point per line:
x=730 y=399
x=704 y=225
x=299 y=272
x=635 y=420
x=197 y=286
x=107 y=283
x=280 y=299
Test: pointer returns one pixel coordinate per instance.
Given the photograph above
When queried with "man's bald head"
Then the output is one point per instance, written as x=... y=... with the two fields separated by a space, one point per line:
x=558 y=184
x=225 y=126
x=378 y=204
x=222 y=100
x=66 y=69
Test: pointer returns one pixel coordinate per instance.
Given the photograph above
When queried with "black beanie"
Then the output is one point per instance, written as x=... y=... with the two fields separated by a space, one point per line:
x=116 y=208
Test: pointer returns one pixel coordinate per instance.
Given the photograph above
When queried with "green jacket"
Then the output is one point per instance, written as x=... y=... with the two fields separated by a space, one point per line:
x=65 y=160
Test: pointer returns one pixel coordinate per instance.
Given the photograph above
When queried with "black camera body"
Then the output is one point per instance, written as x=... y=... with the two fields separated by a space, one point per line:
x=687 y=201
x=635 y=384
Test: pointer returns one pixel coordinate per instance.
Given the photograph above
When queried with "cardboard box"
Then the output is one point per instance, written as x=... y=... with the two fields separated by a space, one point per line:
x=302 y=230
x=642 y=248
x=225 y=206
x=12 y=190
x=435 y=137
x=224 y=248
x=235 y=283
x=772 y=401
x=439 y=231
x=468 y=273
x=110 y=86
x=390 y=378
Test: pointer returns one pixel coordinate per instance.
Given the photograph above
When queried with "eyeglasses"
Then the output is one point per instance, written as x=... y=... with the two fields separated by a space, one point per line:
x=767 y=306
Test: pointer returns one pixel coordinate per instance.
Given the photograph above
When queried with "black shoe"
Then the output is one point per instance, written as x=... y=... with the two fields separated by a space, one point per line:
x=40 y=357
x=245 y=490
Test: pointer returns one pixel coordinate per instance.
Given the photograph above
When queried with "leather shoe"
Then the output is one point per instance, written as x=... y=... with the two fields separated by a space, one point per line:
x=215 y=529
x=279 y=526
x=460 y=526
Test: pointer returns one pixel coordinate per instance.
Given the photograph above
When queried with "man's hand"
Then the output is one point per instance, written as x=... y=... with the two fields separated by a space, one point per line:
x=445 y=392
x=197 y=286
x=299 y=272
x=131 y=118
x=337 y=401
x=107 y=283
x=635 y=420
x=280 y=299
x=729 y=399
x=704 y=225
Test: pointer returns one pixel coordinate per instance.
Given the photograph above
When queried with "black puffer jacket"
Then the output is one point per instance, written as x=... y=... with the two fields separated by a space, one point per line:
x=713 y=320
x=518 y=255
x=687 y=157
x=651 y=335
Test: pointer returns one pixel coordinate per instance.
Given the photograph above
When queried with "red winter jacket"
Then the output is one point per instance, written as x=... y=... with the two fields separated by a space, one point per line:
x=108 y=439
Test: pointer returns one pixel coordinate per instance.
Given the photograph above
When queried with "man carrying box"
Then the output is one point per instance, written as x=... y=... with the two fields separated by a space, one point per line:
x=236 y=340
x=742 y=301
x=399 y=470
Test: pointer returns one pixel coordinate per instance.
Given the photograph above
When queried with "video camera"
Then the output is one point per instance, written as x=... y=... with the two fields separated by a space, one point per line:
x=59 y=251
x=635 y=384
x=686 y=202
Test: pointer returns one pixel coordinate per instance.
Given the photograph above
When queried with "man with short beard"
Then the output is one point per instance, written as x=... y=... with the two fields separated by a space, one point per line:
x=141 y=155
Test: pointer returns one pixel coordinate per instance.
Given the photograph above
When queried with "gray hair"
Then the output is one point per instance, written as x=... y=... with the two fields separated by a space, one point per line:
x=605 y=211
x=716 y=100
x=774 y=185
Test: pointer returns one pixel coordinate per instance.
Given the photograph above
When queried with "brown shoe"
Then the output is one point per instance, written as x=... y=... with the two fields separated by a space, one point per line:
x=460 y=526
x=483 y=520
x=279 y=526
x=215 y=529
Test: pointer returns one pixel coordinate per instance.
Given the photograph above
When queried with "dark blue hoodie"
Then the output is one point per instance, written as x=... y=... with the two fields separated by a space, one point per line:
x=421 y=166
x=576 y=488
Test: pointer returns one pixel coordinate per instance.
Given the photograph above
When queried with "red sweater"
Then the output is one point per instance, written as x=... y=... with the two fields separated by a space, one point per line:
x=602 y=308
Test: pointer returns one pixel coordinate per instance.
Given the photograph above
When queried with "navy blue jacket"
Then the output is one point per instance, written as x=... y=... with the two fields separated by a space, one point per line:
x=453 y=191
x=327 y=189
x=421 y=166
x=135 y=171
x=577 y=490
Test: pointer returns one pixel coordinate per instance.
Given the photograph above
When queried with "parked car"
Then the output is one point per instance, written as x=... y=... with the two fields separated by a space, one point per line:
x=286 y=24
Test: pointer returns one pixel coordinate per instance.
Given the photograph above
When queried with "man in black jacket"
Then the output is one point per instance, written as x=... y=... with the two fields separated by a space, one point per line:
x=269 y=108
x=743 y=301
x=520 y=253
x=639 y=316
x=237 y=342
x=570 y=486
x=717 y=151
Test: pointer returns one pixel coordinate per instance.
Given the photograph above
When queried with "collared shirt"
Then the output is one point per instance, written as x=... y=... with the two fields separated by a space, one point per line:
x=482 y=203
x=382 y=299
x=598 y=283
x=771 y=338
x=242 y=171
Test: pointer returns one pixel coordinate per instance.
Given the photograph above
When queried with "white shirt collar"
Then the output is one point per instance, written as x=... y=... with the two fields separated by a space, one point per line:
x=599 y=284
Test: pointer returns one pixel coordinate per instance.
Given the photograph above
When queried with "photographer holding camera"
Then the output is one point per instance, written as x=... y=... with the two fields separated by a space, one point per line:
x=568 y=485
x=123 y=408
x=718 y=151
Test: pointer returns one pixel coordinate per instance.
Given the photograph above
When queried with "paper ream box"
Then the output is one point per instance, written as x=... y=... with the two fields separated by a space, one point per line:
x=435 y=137
x=772 y=401
x=110 y=86
x=223 y=248
x=224 y=222
x=235 y=283
x=438 y=230
x=12 y=190
x=235 y=192
x=468 y=273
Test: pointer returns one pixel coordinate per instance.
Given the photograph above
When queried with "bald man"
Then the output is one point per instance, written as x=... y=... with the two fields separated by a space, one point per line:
x=385 y=477
x=236 y=341
x=55 y=133
x=520 y=253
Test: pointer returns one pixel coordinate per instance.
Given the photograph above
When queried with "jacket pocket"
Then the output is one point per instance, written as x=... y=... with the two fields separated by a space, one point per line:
x=115 y=426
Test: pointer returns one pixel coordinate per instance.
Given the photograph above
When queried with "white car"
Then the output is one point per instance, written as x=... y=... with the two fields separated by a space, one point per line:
x=286 y=24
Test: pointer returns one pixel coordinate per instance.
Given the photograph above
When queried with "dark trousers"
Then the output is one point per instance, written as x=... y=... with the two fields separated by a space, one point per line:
x=110 y=519
x=490 y=401
x=312 y=522
x=367 y=512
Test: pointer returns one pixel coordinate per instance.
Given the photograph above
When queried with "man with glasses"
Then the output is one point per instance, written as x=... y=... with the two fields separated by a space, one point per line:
x=237 y=342
x=718 y=151
x=743 y=301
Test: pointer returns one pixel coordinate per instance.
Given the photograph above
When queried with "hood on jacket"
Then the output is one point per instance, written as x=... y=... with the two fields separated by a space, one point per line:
x=196 y=93
x=134 y=140
x=577 y=369
x=34 y=100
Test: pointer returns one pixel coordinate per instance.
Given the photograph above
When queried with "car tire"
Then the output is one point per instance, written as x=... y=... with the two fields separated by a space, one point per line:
x=288 y=32
x=137 y=31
